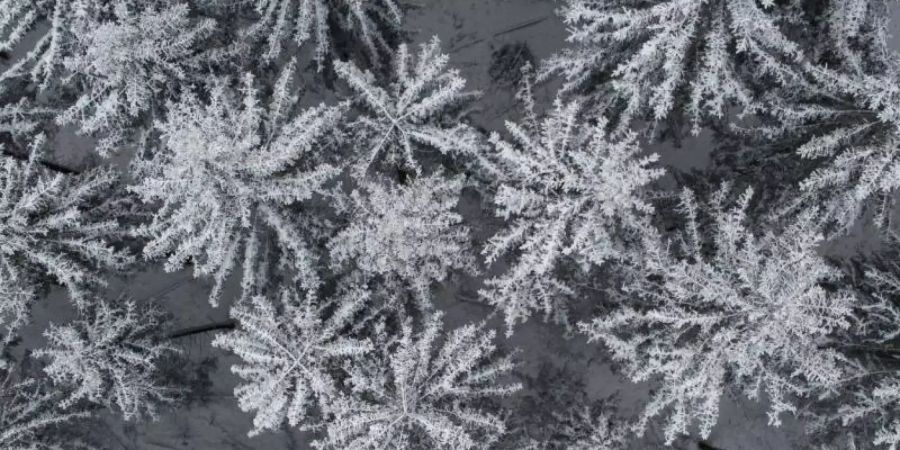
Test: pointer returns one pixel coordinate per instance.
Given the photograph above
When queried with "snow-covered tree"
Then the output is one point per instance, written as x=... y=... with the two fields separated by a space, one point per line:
x=412 y=114
x=721 y=308
x=55 y=227
x=422 y=390
x=674 y=56
x=368 y=21
x=289 y=352
x=227 y=172
x=410 y=232
x=130 y=64
x=848 y=120
x=569 y=190
x=30 y=416
x=111 y=358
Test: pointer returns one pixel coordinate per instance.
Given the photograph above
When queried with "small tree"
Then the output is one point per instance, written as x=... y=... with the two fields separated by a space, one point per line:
x=863 y=409
x=422 y=392
x=409 y=232
x=110 y=358
x=67 y=20
x=289 y=354
x=413 y=112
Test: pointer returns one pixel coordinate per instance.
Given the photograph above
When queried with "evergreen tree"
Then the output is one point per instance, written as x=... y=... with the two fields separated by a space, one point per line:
x=289 y=352
x=421 y=391
x=721 y=308
x=226 y=175
x=413 y=113
x=111 y=358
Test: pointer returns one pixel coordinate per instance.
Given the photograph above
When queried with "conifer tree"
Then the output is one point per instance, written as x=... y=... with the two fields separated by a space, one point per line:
x=422 y=390
x=569 y=190
x=55 y=227
x=228 y=172
x=416 y=112
x=721 y=308
x=111 y=358
x=289 y=351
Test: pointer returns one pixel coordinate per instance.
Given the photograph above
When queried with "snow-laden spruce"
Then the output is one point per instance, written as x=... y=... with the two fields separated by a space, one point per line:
x=721 y=308
x=416 y=112
x=409 y=232
x=569 y=190
x=55 y=227
x=289 y=352
x=111 y=357
x=31 y=418
x=228 y=170
x=676 y=57
x=849 y=123
x=369 y=22
x=423 y=389
x=128 y=65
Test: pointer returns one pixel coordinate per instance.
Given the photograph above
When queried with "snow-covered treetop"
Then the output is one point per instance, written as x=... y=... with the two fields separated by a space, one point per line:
x=126 y=64
x=665 y=56
x=288 y=352
x=111 y=358
x=730 y=310
x=422 y=390
x=413 y=113
x=313 y=20
x=227 y=169
x=410 y=232
x=567 y=188
x=55 y=227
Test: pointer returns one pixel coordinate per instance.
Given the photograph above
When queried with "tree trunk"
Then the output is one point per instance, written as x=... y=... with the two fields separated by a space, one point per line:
x=190 y=331
x=49 y=165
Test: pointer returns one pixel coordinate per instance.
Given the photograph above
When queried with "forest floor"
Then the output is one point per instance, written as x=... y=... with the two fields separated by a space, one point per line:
x=485 y=39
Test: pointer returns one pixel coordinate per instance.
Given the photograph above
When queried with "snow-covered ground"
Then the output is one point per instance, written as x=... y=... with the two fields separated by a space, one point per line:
x=475 y=33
